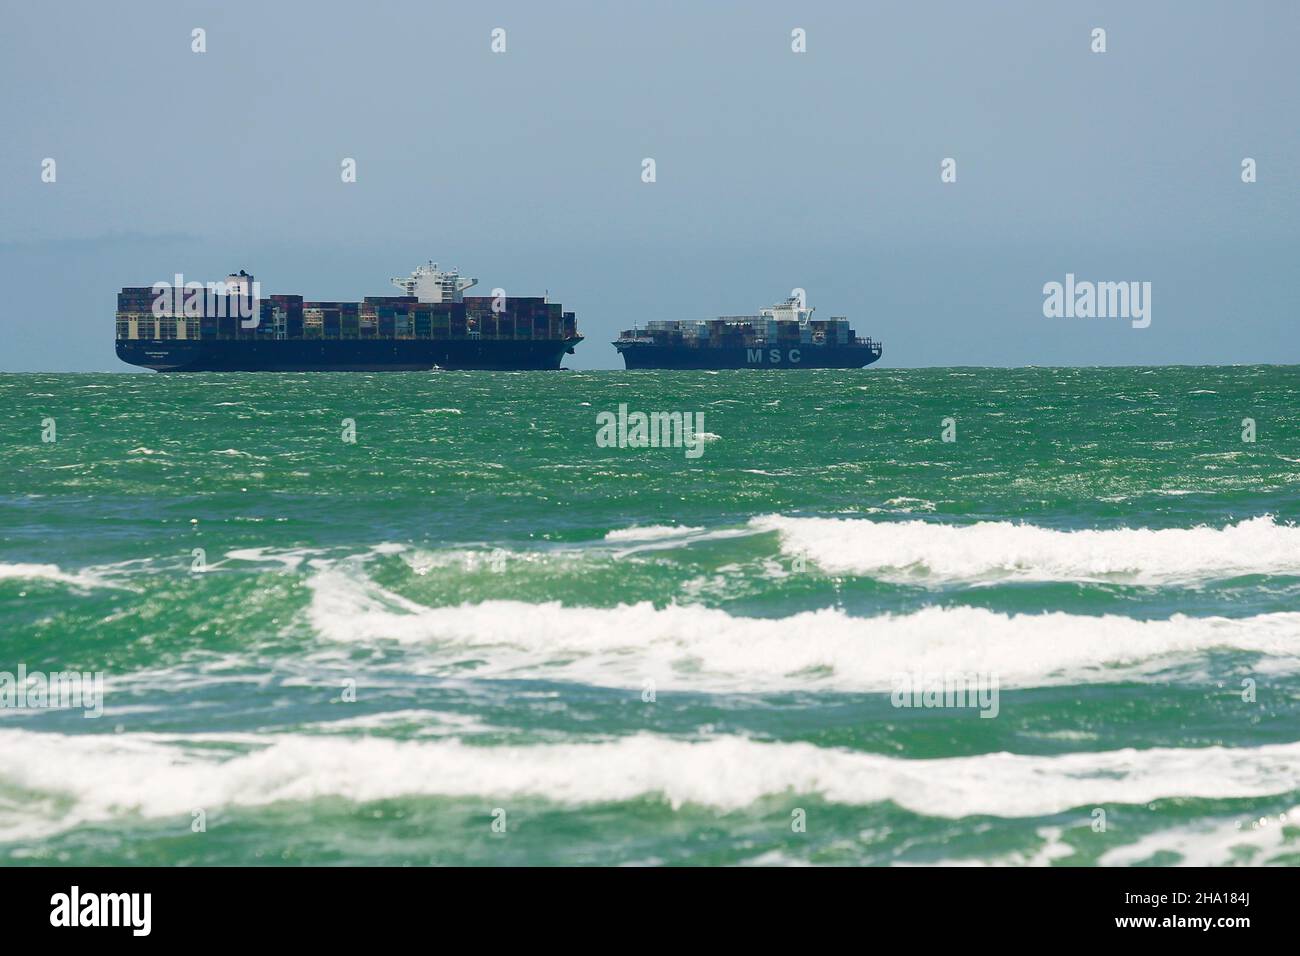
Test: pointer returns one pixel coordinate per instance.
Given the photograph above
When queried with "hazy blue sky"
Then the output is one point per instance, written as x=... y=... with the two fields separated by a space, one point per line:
x=775 y=169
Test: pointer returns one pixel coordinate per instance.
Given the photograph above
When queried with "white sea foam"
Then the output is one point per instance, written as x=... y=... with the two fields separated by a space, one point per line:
x=55 y=781
x=650 y=532
x=928 y=551
x=687 y=646
x=1212 y=842
x=51 y=572
x=659 y=537
x=417 y=723
x=290 y=559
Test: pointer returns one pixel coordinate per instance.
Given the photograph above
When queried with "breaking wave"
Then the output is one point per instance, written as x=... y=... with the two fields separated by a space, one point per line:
x=63 y=781
x=701 y=648
x=51 y=572
x=999 y=550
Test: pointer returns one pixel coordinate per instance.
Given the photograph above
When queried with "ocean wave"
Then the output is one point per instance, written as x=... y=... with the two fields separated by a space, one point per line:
x=693 y=647
x=56 y=781
x=1213 y=842
x=84 y=580
x=1241 y=840
x=924 y=551
x=637 y=539
x=650 y=532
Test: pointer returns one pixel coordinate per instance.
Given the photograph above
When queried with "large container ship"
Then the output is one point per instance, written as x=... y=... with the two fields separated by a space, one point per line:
x=188 y=327
x=782 y=336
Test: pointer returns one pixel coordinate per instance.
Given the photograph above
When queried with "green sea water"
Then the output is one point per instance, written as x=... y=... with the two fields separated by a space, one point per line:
x=429 y=619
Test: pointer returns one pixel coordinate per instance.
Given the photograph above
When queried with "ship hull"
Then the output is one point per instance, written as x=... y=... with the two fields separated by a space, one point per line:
x=344 y=355
x=646 y=356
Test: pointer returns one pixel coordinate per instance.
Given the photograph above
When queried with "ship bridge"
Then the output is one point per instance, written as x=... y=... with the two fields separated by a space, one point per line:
x=792 y=309
x=428 y=283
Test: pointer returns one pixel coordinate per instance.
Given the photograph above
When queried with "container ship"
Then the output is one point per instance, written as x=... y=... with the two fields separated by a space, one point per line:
x=228 y=327
x=783 y=336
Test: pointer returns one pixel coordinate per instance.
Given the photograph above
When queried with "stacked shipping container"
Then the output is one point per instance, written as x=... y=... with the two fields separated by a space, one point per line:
x=748 y=331
x=382 y=317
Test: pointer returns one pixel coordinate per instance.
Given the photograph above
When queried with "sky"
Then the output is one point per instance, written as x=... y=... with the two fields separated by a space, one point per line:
x=774 y=169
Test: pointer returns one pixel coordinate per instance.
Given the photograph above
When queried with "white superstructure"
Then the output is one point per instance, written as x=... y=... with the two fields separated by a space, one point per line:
x=430 y=284
x=792 y=309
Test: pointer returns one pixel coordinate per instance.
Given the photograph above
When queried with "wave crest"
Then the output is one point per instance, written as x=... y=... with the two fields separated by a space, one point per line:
x=699 y=648
x=923 y=551
x=159 y=775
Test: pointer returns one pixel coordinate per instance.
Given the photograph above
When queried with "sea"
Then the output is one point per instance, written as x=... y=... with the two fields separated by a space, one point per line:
x=910 y=617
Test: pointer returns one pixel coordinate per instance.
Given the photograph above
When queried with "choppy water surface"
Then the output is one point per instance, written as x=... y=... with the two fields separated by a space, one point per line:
x=631 y=656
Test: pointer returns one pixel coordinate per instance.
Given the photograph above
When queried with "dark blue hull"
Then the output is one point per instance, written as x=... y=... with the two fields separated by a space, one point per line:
x=344 y=355
x=645 y=355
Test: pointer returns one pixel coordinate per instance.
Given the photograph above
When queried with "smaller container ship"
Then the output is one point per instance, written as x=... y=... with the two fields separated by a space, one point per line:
x=228 y=327
x=783 y=336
